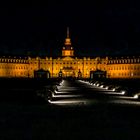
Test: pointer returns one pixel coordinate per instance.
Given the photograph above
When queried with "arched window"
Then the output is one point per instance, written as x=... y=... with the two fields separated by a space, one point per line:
x=126 y=61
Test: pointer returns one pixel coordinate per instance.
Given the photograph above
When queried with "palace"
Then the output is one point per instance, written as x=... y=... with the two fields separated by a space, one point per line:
x=68 y=65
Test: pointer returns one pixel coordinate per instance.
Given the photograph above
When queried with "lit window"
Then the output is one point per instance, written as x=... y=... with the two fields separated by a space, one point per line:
x=125 y=61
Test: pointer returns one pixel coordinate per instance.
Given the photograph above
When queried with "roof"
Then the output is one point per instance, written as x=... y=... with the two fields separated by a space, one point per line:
x=124 y=57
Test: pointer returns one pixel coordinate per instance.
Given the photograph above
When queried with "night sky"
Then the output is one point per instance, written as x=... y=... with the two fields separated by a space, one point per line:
x=96 y=28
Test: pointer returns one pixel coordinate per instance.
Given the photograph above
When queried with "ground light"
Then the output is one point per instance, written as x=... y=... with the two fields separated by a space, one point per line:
x=70 y=102
x=102 y=86
x=64 y=94
x=113 y=89
x=136 y=96
x=123 y=92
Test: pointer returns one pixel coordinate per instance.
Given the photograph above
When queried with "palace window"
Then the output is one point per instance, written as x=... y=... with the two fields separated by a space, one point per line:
x=125 y=61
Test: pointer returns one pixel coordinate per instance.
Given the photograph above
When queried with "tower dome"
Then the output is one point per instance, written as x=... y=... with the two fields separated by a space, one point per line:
x=67 y=49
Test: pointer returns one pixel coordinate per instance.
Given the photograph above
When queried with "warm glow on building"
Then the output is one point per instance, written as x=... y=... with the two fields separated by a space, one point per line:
x=124 y=67
x=69 y=65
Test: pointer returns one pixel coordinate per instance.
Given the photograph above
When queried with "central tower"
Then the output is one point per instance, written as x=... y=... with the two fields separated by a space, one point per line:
x=67 y=49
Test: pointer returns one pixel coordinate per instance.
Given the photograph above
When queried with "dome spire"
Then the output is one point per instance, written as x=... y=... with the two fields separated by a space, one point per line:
x=68 y=34
x=68 y=40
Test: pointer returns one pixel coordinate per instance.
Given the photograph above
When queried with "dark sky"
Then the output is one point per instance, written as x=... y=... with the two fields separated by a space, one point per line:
x=96 y=28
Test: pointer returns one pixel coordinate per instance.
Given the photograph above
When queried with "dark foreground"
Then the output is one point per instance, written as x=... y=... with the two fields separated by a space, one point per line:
x=23 y=115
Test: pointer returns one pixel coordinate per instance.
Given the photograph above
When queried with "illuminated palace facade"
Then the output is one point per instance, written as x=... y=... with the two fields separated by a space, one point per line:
x=68 y=65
